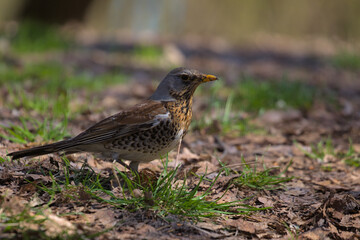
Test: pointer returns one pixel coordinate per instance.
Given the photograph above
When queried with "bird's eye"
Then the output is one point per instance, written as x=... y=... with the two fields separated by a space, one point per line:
x=184 y=77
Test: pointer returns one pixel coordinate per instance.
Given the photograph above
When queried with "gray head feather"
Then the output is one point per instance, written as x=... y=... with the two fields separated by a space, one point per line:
x=172 y=81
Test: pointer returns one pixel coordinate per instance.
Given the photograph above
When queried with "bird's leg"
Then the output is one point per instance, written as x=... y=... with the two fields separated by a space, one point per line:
x=124 y=164
x=178 y=152
x=134 y=166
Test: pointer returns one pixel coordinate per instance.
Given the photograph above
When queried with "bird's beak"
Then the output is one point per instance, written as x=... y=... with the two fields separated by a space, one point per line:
x=208 y=78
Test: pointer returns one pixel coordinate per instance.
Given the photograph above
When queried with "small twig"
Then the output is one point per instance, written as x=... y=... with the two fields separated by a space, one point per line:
x=178 y=153
x=115 y=175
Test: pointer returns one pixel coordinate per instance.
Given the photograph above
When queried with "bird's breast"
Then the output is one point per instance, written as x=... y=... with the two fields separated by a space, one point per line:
x=181 y=113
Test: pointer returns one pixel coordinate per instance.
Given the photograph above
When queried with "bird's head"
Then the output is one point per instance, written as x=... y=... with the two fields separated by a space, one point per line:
x=180 y=83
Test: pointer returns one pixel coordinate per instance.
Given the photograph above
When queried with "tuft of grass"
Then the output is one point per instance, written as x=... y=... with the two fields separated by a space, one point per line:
x=164 y=195
x=49 y=106
x=34 y=36
x=167 y=195
x=320 y=150
x=351 y=157
x=263 y=180
x=353 y=161
x=46 y=89
x=346 y=60
x=54 y=113
x=325 y=148
x=46 y=130
x=71 y=184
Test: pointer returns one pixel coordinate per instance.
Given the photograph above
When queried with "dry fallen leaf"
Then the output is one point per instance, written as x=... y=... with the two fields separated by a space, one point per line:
x=266 y=201
x=106 y=217
x=55 y=225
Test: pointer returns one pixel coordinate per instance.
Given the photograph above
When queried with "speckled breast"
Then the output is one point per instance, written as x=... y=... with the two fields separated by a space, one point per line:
x=148 y=144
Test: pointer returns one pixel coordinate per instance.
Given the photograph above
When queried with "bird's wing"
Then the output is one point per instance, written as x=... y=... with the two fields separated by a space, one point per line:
x=140 y=117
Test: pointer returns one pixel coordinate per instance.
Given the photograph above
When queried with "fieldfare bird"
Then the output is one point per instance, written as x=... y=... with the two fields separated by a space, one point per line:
x=142 y=133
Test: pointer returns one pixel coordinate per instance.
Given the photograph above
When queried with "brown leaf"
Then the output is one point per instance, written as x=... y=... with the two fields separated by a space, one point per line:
x=246 y=226
x=29 y=187
x=106 y=217
x=83 y=195
x=188 y=156
x=55 y=225
x=266 y=201
x=314 y=234
x=206 y=167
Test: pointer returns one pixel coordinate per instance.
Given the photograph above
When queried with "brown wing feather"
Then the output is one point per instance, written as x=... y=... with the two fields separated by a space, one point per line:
x=139 y=117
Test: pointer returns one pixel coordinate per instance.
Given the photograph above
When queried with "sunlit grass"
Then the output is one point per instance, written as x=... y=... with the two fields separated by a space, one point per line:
x=166 y=195
x=351 y=157
x=47 y=105
x=163 y=195
x=265 y=179
x=326 y=148
x=50 y=124
x=46 y=130
x=320 y=150
x=224 y=113
x=234 y=108
x=48 y=88
x=254 y=95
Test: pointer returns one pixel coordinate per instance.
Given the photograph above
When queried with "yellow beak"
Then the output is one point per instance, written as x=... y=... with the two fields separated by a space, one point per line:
x=209 y=78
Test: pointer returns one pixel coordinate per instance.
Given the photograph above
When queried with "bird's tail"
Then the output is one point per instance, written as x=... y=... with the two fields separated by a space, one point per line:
x=42 y=150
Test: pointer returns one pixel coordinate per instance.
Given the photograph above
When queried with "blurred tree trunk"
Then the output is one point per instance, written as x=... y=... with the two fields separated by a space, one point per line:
x=54 y=11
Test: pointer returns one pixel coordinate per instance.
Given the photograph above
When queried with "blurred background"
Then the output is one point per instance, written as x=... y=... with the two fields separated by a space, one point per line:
x=233 y=21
